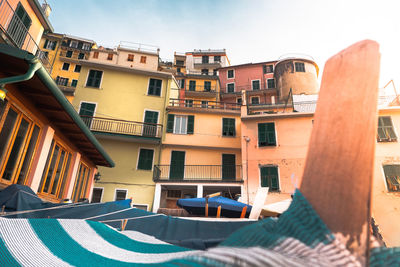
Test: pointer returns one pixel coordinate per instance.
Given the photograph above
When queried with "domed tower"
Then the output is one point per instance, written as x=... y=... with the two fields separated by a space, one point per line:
x=298 y=74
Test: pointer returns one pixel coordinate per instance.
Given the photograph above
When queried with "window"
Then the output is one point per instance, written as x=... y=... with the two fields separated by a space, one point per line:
x=65 y=66
x=182 y=83
x=145 y=161
x=189 y=103
x=231 y=74
x=130 y=57
x=154 y=87
x=74 y=83
x=174 y=193
x=204 y=59
x=268 y=69
x=228 y=127
x=217 y=58
x=94 y=78
x=230 y=87
x=81 y=183
x=180 y=124
x=392 y=175
x=204 y=104
x=73 y=44
x=120 y=194
x=386 y=130
x=178 y=70
x=255 y=85
x=207 y=86
x=96 y=54
x=55 y=171
x=69 y=53
x=143 y=59
x=215 y=72
x=19 y=25
x=86 y=46
x=62 y=81
x=255 y=100
x=239 y=100
x=269 y=178
x=150 y=126
x=270 y=83
x=97 y=195
x=81 y=56
x=110 y=56
x=299 y=67
x=192 y=85
x=18 y=140
x=77 y=68
x=204 y=72
x=266 y=134
x=86 y=111
x=50 y=45
x=180 y=62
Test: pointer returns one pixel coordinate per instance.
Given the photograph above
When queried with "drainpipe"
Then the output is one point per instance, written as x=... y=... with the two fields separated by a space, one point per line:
x=33 y=67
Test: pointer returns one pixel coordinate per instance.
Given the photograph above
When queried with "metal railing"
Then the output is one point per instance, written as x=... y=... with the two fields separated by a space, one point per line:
x=106 y=125
x=209 y=73
x=139 y=47
x=201 y=88
x=187 y=173
x=74 y=55
x=247 y=87
x=211 y=105
x=15 y=30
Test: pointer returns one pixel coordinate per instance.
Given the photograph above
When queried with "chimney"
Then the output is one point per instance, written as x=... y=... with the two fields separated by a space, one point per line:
x=46 y=9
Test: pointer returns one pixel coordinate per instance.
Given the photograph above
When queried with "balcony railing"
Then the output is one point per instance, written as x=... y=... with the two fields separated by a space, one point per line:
x=74 y=56
x=139 y=47
x=196 y=173
x=248 y=87
x=18 y=34
x=210 y=105
x=209 y=73
x=201 y=88
x=134 y=128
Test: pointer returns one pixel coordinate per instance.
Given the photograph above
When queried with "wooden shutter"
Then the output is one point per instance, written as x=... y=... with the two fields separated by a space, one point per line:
x=264 y=177
x=170 y=123
x=190 y=124
x=262 y=137
x=145 y=159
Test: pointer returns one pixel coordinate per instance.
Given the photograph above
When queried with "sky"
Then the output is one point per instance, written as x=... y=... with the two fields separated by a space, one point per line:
x=249 y=30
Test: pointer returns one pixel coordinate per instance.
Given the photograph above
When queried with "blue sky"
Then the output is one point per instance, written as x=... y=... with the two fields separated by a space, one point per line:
x=250 y=30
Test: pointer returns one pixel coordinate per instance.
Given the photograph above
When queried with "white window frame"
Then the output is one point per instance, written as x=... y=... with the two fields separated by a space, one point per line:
x=74 y=42
x=259 y=83
x=227 y=75
x=279 y=176
x=140 y=204
x=121 y=189
x=300 y=63
x=267 y=83
x=102 y=193
x=175 y=119
x=101 y=80
x=86 y=45
x=138 y=155
x=234 y=87
x=148 y=85
x=50 y=44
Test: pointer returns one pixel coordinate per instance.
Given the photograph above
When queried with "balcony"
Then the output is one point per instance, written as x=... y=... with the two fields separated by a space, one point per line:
x=123 y=128
x=210 y=63
x=74 y=56
x=68 y=88
x=204 y=105
x=152 y=49
x=208 y=74
x=198 y=173
x=15 y=33
x=200 y=90
x=248 y=87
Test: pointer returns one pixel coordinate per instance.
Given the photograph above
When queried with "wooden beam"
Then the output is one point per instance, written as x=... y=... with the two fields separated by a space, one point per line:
x=337 y=178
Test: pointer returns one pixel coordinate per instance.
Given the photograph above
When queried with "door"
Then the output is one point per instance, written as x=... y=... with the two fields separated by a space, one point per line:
x=86 y=111
x=228 y=167
x=177 y=167
x=150 y=117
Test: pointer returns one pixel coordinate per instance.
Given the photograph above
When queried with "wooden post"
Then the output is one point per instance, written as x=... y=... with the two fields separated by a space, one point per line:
x=243 y=214
x=206 y=213
x=123 y=224
x=219 y=212
x=337 y=178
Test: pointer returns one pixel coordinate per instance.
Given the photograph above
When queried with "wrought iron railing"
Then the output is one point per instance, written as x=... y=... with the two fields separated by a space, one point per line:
x=174 y=102
x=187 y=173
x=75 y=56
x=106 y=125
x=247 y=87
x=201 y=88
x=198 y=72
x=15 y=30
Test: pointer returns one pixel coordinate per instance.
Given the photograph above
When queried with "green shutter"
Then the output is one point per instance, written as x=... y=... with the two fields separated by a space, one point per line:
x=261 y=134
x=264 y=177
x=54 y=45
x=45 y=43
x=190 y=125
x=170 y=123
x=145 y=159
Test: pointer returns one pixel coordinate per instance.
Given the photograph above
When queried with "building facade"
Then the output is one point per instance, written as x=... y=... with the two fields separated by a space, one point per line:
x=124 y=106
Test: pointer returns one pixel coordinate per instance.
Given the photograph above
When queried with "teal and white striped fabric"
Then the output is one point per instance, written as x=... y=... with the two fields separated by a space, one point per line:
x=297 y=238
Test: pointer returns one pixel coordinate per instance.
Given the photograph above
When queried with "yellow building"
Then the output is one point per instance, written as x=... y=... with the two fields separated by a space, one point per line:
x=64 y=52
x=122 y=97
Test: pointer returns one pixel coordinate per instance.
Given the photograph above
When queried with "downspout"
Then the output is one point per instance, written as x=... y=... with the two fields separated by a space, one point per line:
x=166 y=97
x=33 y=67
